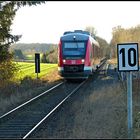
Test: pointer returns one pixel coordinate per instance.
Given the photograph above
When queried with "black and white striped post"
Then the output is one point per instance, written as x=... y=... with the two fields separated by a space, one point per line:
x=128 y=61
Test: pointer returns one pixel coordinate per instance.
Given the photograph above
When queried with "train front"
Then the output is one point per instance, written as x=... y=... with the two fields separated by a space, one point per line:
x=72 y=62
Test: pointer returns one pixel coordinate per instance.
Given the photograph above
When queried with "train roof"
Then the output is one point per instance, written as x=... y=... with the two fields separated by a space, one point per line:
x=77 y=31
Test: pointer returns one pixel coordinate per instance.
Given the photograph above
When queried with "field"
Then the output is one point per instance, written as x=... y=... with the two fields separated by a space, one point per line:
x=28 y=69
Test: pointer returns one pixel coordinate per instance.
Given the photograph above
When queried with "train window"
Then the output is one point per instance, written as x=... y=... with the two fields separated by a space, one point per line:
x=74 y=49
x=74 y=45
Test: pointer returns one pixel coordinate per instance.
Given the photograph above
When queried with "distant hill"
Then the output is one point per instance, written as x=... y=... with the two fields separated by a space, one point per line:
x=32 y=48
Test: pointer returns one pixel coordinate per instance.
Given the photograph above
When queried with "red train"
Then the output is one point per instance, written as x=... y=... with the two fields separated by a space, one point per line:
x=77 y=51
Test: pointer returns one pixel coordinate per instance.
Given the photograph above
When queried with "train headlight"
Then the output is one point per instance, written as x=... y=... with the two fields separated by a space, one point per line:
x=83 y=60
x=64 y=60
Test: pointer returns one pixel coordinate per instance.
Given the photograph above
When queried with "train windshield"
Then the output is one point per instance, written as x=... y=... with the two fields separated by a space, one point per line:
x=75 y=50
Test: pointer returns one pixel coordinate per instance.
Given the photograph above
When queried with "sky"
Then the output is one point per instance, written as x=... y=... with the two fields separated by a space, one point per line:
x=47 y=22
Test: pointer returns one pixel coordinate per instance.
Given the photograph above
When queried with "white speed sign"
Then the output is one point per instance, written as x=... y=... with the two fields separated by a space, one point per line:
x=128 y=59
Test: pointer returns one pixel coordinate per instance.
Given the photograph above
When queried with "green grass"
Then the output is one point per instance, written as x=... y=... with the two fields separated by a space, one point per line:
x=28 y=69
x=29 y=57
x=32 y=56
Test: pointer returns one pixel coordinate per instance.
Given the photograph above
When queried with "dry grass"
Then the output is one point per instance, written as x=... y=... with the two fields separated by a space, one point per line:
x=101 y=115
x=96 y=61
x=99 y=111
x=112 y=61
x=16 y=93
x=135 y=105
x=52 y=77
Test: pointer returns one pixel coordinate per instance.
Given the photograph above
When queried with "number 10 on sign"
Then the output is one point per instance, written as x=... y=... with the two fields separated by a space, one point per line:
x=128 y=59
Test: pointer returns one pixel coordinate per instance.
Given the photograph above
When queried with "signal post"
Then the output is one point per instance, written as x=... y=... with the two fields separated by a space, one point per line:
x=37 y=63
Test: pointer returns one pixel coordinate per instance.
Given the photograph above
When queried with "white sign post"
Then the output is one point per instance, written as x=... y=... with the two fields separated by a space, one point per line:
x=128 y=60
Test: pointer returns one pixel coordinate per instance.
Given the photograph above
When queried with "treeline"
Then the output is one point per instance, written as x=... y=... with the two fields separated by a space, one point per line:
x=122 y=35
x=32 y=48
x=48 y=52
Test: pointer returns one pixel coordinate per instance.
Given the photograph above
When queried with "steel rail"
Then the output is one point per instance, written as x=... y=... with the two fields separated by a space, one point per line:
x=31 y=100
x=29 y=133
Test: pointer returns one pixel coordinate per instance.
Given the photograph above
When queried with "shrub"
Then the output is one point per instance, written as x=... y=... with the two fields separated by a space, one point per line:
x=8 y=69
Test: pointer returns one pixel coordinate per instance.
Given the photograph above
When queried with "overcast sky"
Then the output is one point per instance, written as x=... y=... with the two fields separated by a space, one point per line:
x=45 y=23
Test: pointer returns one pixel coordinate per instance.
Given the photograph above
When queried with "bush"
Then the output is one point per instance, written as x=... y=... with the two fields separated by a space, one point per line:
x=8 y=69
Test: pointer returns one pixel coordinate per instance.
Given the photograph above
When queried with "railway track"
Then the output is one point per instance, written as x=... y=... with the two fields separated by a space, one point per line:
x=23 y=120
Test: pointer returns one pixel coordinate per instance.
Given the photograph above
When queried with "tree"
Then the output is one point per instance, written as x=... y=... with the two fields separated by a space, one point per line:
x=52 y=56
x=43 y=59
x=121 y=35
x=92 y=30
x=18 y=54
x=7 y=13
x=104 y=47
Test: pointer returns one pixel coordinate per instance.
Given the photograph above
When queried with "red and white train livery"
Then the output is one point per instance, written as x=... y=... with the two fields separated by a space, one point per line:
x=76 y=54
